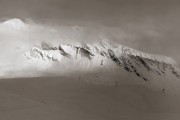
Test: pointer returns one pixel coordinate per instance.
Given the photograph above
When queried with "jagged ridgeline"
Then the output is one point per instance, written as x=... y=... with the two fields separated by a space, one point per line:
x=105 y=53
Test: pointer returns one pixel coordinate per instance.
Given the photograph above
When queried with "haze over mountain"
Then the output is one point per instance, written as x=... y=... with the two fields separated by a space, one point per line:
x=147 y=25
x=89 y=60
x=23 y=37
x=66 y=72
x=31 y=49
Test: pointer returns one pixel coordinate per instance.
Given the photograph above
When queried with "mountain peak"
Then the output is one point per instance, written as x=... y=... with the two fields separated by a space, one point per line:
x=15 y=23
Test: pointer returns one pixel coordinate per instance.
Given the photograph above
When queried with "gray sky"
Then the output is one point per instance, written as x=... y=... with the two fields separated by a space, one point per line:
x=148 y=25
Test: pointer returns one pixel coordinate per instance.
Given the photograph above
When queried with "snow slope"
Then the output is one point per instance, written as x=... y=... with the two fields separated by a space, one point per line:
x=71 y=98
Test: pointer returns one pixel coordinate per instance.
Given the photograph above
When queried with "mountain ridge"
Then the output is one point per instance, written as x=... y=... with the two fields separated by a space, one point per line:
x=103 y=54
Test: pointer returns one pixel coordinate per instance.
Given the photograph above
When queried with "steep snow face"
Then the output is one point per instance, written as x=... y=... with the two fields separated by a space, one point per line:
x=15 y=24
x=120 y=49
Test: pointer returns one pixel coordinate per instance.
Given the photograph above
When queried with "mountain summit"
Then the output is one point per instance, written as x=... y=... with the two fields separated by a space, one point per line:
x=15 y=23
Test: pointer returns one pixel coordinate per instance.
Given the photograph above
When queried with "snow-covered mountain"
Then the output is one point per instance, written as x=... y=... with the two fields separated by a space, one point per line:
x=104 y=79
x=109 y=62
x=94 y=55
x=15 y=24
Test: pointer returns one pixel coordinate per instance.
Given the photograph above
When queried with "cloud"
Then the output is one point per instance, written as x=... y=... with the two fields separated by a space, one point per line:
x=145 y=36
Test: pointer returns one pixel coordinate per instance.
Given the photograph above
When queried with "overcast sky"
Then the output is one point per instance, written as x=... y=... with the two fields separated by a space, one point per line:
x=148 y=25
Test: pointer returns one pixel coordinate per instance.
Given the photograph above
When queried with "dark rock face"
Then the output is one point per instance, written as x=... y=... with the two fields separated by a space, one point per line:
x=102 y=53
x=111 y=54
x=85 y=53
x=143 y=61
x=126 y=61
x=113 y=57
x=174 y=71
x=62 y=52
